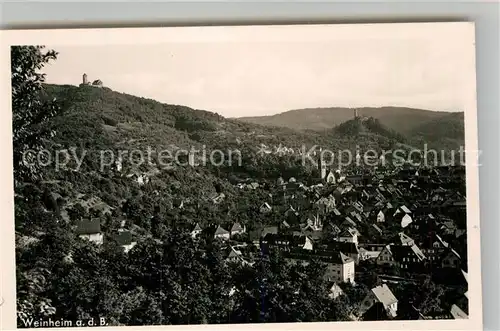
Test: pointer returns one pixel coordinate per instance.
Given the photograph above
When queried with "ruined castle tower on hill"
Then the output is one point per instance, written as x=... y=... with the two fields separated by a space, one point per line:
x=95 y=83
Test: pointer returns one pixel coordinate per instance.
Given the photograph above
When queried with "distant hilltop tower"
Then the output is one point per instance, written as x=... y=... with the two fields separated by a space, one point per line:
x=321 y=164
x=356 y=113
x=85 y=80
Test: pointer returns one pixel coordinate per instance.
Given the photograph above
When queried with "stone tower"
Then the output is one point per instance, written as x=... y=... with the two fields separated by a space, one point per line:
x=356 y=113
x=85 y=80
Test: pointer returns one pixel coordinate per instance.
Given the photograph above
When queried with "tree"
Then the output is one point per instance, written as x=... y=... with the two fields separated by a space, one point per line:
x=30 y=110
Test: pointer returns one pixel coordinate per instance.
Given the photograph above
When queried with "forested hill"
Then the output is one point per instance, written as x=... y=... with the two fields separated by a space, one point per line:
x=400 y=119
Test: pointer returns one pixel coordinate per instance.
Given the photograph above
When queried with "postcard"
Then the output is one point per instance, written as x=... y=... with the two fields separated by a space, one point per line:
x=241 y=177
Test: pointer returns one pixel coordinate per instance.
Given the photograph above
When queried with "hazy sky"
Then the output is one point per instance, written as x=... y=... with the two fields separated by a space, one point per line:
x=384 y=67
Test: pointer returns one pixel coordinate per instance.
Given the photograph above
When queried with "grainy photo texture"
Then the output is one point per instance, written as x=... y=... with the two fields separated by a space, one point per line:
x=233 y=182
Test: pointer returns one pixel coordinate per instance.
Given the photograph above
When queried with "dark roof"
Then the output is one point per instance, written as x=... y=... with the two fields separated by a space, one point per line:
x=405 y=239
x=384 y=295
x=400 y=251
x=87 y=226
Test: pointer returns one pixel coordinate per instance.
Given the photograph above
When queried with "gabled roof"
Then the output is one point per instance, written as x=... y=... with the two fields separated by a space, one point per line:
x=233 y=253
x=87 y=226
x=384 y=295
x=123 y=237
x=344 y=258
x=220 y=231
x=334 y=287
x=399 y=252
x=404 y=239
x=236 y=227
x=197 y=227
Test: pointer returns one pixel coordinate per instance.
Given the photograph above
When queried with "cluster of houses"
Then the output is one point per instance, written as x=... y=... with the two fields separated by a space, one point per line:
x=410 y=220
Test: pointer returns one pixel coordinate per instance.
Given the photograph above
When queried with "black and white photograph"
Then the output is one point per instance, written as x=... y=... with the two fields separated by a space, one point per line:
x=245 y=175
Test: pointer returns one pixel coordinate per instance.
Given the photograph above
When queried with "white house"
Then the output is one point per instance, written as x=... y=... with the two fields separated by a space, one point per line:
x=124 y=239
x=308 y=244
x=340 y=269
x=335 y=291
x=380 y=217
x=348 y=235
x=386 y=257
x=196 y=231
x=406 y=220
x=402 y=210
x=330 y=178
x=405 y=239
x=234 y=255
